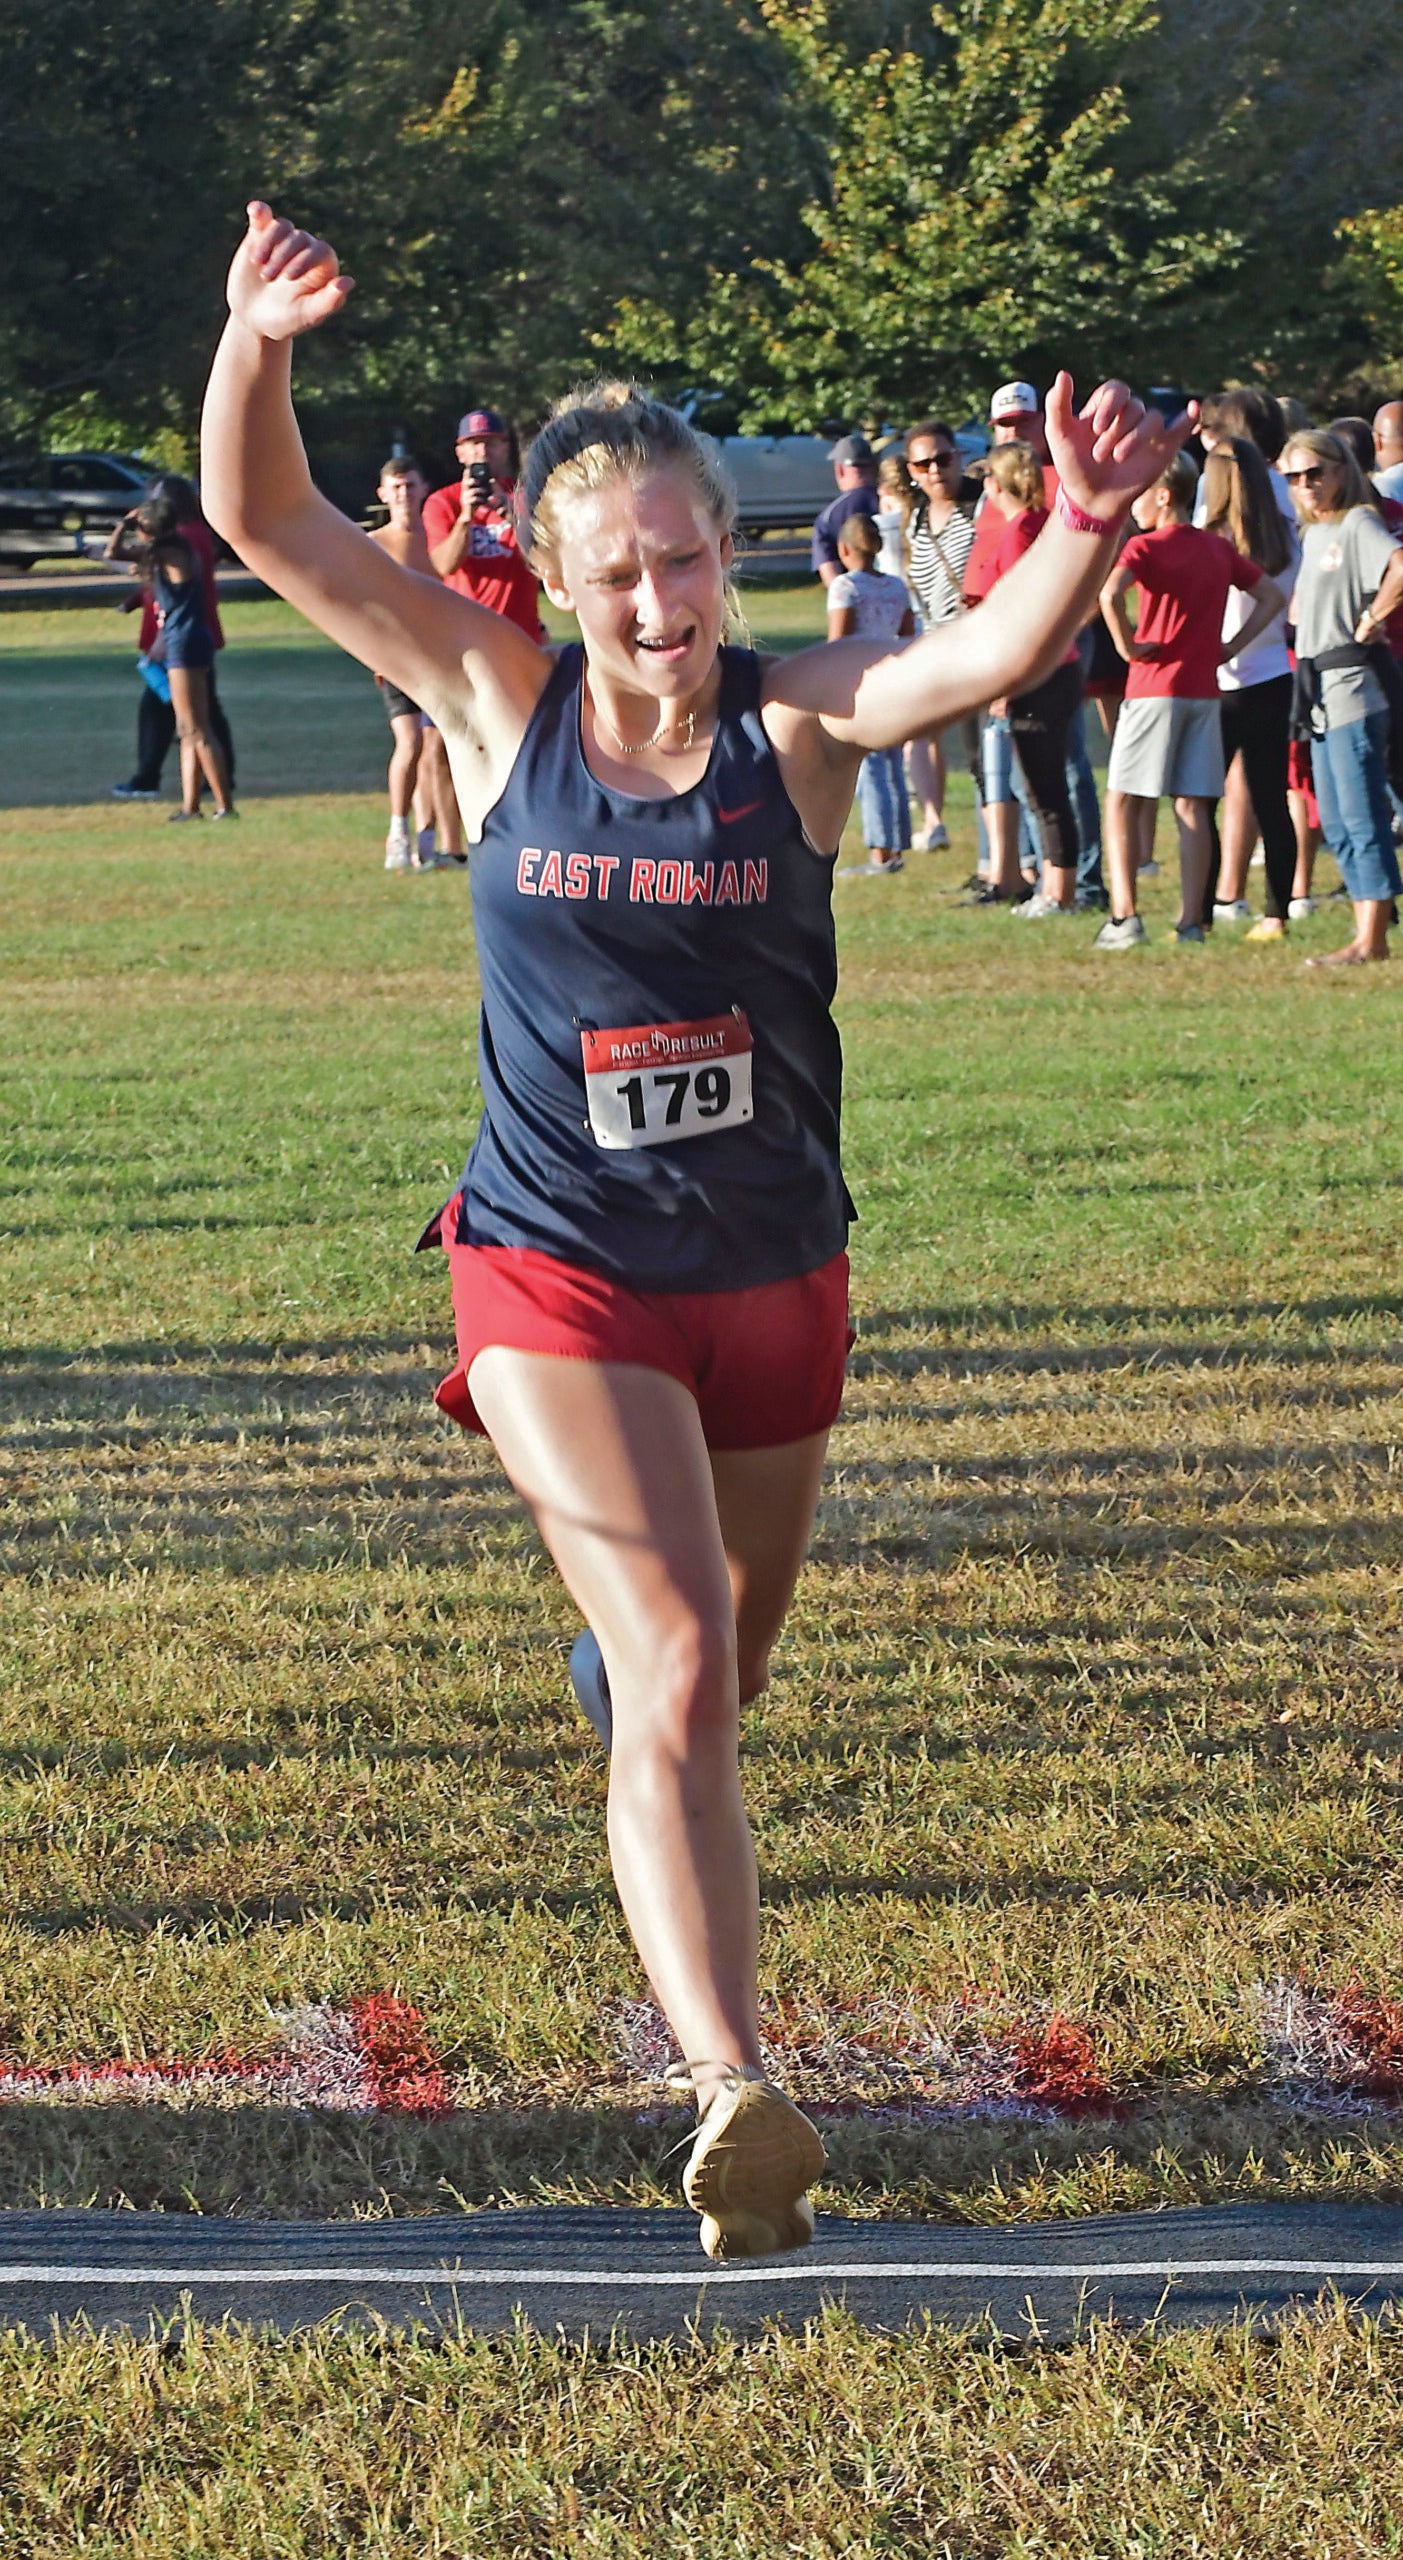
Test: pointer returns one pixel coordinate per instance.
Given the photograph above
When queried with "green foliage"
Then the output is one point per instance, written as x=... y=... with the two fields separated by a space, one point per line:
x=1373 y=267
x=975 y=220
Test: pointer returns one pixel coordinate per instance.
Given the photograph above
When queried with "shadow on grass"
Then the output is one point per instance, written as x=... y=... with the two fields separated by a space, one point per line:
x=286 y=2164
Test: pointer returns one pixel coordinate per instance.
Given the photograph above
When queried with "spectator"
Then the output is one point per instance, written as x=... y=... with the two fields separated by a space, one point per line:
x=470 y=526
x=855 y=470
x=1169 y=737
x=172 y=567
x=1359 y=436
x=1256 y=415
x=402 y=490
x=939 y=532
x=155 y=719
x=1254 y=688
x=1388 y=449
x=897 y=496
x=1038 y=720
x=1351 y=579
x=865 y=604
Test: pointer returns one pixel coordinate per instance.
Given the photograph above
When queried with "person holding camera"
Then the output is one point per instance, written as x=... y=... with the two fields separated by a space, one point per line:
x=470 y=526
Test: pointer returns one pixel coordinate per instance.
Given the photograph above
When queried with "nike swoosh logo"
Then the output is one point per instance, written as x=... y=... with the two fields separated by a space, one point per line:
x=728 y=817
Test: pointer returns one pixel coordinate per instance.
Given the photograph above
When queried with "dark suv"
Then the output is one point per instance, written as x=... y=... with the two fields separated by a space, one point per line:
x=52 y=504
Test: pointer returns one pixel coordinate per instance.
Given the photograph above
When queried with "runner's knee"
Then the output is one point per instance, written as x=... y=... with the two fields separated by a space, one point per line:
x=686 y=1682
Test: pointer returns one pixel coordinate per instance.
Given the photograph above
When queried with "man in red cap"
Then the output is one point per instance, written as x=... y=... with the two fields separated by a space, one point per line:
x=471 y=531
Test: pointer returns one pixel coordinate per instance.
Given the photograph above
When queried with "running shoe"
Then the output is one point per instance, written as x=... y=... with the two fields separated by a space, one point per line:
x=222 y=813
x=131 y=791
x=399 y=850
x=1231 y=911
x=183 y=817
x=590 y=1682
x=1149 y=871
x=753 y=2161
x=1035 y=908
x=1266 y=929
x=872 y=870
x=986 y=895
x=1299 y=908
x=1123 y=936
x=1189 y=933
x=931 y=839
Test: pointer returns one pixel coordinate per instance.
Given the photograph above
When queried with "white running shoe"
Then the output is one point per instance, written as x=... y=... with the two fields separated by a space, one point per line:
x=1299 y=908
x=931 y=839
x=1124 y=936
x=399 y=852
x=754 y=2158
x=1231 y=911
x=1035 y=908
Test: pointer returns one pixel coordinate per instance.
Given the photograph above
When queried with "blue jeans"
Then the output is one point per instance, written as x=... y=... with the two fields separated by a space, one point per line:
x=1350 y=767
x=883 y=801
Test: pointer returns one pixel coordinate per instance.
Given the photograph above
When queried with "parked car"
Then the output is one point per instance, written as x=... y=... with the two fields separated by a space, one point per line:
x=52 y=504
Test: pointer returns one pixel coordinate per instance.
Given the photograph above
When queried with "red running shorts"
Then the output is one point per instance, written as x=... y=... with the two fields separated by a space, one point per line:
x=765 y=1365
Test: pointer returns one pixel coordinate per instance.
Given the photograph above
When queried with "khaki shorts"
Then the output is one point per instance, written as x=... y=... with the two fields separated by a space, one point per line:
x=1168 y=749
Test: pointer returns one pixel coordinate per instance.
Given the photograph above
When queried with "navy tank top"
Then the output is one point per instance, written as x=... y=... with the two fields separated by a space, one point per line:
x=183 y=625
x=596 y=912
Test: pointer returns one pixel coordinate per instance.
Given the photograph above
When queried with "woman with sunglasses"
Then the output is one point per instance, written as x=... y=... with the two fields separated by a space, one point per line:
x=939 y=532
x=1351 y=580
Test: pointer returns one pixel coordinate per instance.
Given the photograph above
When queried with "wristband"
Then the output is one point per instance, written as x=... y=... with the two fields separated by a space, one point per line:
x=1077 y=520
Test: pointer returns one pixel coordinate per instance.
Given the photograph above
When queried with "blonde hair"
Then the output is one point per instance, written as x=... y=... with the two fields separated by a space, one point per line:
x=1323 y=447
x=1016 y=468
x=1240 y=503
x=601 y=431
x=895 y=481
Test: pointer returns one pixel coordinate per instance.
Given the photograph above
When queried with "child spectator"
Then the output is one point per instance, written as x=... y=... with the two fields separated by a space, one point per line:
x=1040 y=721
x=1254 y=690
x=866 y=604
x=1169 y=737
x=401 y=490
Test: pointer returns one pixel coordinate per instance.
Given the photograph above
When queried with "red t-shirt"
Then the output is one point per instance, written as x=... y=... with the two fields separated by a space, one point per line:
x=1183 y=575
x=201 y=541
x=1019 y=534
x=989 y=527
x=491 y=571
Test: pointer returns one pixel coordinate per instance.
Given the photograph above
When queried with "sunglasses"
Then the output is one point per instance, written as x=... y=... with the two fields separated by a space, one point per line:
x=930 y=461
x=1316 y=472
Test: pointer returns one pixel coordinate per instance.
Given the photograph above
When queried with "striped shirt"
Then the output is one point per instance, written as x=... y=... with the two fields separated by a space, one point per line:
x=932 y=554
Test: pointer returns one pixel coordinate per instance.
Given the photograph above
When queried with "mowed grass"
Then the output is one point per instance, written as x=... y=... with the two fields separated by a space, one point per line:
x=1090 y=1699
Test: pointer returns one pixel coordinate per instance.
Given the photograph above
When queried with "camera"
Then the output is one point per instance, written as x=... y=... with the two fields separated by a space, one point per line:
x=479 y=477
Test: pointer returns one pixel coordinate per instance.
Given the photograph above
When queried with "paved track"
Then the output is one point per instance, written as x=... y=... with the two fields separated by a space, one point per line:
x=596 y=2269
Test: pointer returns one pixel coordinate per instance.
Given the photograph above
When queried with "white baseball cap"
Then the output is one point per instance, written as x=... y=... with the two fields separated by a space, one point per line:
x=1013 y=400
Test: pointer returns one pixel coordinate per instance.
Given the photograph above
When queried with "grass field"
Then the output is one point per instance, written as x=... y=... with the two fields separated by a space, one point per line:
x=1090 y=1701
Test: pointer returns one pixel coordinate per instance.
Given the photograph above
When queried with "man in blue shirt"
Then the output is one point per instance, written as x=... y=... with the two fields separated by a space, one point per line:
x=855 y=470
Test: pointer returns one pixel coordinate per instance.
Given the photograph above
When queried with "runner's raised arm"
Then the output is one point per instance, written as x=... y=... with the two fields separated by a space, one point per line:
x=258 y=493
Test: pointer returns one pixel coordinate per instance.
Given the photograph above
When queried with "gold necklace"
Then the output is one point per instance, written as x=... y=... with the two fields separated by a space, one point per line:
x=686 y=736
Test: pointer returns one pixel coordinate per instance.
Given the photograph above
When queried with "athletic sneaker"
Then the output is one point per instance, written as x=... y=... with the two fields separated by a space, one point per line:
x=399 y=856
x=1149 y=871
x=872 y=870
x=1231 y=911
x=1035 y=908
x=223 y=813
x=931 y=840
x=131 y=791
x=754 y=2158
x=590 y=1682
x=1266 y=929
x=1299 y=908
x=183 y=817
x=1122 y=936
x=1189 y=933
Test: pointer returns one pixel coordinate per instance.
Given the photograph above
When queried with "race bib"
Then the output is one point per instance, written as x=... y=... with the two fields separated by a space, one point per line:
x=665 y=1080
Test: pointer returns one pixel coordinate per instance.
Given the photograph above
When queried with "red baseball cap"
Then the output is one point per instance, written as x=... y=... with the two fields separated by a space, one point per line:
x=481 y=422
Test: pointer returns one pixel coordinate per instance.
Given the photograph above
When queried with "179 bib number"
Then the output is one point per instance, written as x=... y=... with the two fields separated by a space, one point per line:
x=659 y=1081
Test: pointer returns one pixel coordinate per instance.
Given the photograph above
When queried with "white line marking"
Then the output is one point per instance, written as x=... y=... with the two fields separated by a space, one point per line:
x=815 y=2271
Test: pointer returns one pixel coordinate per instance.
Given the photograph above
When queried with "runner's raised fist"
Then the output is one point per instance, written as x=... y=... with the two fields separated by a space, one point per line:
x=283 y=282
x=1111 y=448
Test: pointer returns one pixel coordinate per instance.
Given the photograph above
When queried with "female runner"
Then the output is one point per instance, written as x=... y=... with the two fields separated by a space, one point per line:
x=648 y=1246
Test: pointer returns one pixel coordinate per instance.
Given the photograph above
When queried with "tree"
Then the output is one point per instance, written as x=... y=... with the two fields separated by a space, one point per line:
x=974 y=222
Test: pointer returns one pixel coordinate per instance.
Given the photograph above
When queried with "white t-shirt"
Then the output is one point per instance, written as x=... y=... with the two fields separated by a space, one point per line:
x=1268 y=655
x=891 y=525
x=881 y=604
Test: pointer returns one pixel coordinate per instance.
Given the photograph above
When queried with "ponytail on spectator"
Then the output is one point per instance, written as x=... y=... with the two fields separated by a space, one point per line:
x=1241 y=504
